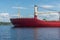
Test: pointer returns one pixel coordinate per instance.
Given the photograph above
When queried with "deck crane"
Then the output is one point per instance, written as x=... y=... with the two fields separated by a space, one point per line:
x=50 y=10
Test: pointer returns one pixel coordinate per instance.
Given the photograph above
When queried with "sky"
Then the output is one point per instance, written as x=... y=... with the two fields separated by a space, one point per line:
x=27 y=6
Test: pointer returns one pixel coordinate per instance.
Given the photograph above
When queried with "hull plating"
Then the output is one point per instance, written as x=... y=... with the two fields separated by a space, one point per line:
x=33 y=22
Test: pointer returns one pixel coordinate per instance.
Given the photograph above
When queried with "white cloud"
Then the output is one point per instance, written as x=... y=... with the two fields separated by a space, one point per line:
x=21 y=16
x=47 y=6
x=15 y=16
x=4 y=14
x=57 y=6
x=28 y=16
x=4 y=17
x=19 y=7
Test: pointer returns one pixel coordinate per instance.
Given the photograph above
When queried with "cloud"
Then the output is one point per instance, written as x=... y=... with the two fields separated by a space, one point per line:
x=4 y=17
x=15 y=16
x=21 y=16
x=4 y=14
x=47 y=6
x=57 y=6
x=20 y=7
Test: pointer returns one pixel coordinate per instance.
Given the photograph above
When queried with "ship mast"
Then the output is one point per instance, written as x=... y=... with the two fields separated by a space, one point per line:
x=35 y=11
x=18 y=12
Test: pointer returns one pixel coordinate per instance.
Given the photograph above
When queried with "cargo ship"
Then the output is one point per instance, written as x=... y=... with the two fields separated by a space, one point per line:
x=33 y=22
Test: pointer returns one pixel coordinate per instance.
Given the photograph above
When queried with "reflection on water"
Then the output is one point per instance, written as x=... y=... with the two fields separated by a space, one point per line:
x=9 y=33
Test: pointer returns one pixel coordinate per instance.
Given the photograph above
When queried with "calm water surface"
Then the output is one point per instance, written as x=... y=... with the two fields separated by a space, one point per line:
x=7 y=32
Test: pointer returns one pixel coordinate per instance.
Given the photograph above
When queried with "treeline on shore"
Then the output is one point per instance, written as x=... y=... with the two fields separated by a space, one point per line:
x=5 y=23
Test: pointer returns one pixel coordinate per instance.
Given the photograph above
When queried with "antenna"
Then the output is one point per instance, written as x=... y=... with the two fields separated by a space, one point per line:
x=18 y=11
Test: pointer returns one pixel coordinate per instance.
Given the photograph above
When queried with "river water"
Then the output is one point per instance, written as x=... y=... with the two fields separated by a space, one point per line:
x=7 y=32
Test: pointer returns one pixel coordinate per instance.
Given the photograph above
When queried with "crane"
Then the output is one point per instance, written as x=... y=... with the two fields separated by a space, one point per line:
x=49 y=12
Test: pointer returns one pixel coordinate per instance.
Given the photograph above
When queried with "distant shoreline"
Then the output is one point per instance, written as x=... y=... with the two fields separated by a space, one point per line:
x=5 y=23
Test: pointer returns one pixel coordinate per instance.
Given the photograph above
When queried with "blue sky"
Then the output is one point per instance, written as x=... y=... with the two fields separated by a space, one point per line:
x=6 y=5
x=26 y=6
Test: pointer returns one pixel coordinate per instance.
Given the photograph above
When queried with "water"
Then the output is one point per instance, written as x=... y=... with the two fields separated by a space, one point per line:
x=9 y=33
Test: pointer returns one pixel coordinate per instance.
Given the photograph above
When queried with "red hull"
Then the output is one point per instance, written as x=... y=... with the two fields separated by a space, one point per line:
x=33 y=22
